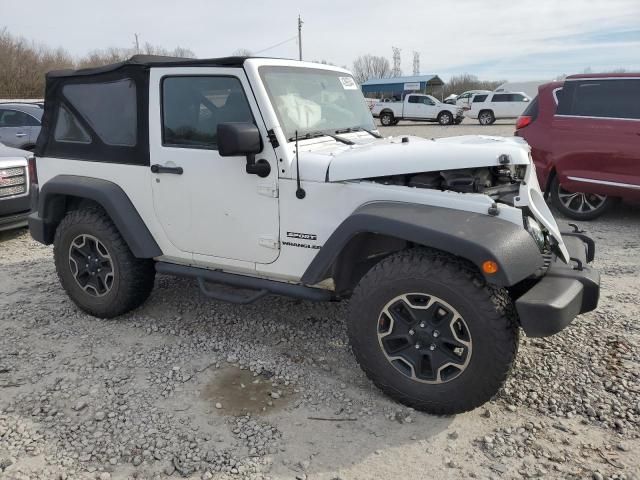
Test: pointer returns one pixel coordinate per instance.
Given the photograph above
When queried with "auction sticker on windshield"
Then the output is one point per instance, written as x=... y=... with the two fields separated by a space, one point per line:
x=348 y=83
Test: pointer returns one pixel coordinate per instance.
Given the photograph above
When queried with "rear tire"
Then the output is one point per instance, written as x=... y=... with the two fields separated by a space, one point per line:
x=387 y=119
x=578 y=205
x=96 y=267
x=486 y=117
x=419 y=291
x=445 y=118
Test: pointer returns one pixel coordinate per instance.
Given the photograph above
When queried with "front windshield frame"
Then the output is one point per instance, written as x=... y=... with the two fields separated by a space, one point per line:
x=363 y=120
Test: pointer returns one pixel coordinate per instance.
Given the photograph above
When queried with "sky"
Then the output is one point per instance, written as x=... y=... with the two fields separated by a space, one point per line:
x=510 y=40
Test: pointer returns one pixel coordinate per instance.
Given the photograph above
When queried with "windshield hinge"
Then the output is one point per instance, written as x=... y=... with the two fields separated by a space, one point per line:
x=269 y=241
x=272 y=138
x=268 y=190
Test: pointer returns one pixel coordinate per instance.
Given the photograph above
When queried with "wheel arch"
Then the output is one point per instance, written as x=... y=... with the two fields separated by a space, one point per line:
x=68 y=192
x=378 y=229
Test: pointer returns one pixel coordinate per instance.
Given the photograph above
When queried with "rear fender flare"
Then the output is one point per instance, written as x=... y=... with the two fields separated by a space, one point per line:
x=53 y=204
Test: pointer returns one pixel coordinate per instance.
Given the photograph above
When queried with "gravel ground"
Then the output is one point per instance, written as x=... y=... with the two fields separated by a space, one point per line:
x=186 y=387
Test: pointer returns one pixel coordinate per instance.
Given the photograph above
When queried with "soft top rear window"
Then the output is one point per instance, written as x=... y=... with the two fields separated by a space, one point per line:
x=109 y=108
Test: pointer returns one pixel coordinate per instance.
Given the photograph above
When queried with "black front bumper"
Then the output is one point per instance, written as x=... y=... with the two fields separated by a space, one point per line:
x=565 y=291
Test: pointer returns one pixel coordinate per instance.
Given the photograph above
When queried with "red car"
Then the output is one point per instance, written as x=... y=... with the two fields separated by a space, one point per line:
x=584 y=134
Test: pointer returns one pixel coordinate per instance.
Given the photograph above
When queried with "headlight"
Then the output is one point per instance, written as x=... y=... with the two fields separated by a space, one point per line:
x=535 y=230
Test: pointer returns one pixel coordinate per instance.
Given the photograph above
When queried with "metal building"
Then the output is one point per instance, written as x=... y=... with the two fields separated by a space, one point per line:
x=398 y=86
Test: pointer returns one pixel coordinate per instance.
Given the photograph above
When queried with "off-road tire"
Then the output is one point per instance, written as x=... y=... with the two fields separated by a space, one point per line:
x=386 y=119
x=570 y=207
x=445 y=118
x=486 y=117
x=132 y=277
x=487 y=311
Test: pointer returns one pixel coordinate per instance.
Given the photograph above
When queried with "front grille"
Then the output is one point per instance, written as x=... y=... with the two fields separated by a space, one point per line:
x=13 y=181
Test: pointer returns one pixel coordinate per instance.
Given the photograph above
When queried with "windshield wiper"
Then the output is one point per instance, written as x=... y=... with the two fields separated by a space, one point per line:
x=309 y=135
x=359 y=129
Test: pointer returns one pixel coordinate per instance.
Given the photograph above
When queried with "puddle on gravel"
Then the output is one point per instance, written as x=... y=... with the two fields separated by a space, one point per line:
x=240 y=393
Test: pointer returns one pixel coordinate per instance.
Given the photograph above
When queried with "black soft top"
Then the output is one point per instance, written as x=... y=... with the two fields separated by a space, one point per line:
x=146 y=61
x=101 y=114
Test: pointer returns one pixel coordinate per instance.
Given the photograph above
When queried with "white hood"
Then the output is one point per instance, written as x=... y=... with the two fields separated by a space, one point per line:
x=394 y=157
x=328 y=161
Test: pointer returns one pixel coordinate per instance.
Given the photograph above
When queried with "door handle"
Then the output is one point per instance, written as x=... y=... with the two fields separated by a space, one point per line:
x=21 y=134
x=162 y=169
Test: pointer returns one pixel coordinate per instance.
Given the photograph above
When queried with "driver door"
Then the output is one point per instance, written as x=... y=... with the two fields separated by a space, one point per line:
x=207 y=204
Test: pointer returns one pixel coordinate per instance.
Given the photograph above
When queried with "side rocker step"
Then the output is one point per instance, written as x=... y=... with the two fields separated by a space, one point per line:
x=261 y=286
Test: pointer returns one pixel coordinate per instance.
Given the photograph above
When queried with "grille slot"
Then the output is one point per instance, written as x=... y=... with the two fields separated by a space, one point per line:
x=13 y=181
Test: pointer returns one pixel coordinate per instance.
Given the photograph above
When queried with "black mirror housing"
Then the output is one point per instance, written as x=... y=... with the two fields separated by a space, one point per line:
x=238 y=138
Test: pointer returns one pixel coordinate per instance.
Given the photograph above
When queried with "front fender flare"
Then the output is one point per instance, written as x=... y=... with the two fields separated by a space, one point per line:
x=52 y=207
x=473 y=236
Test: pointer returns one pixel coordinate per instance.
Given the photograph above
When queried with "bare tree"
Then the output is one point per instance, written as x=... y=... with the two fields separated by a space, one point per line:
x=24 y=63
x=242 y=52
x=368 y=66
x=461 y=83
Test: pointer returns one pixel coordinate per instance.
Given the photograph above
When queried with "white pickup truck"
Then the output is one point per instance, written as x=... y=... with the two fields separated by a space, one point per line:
x=417 y=107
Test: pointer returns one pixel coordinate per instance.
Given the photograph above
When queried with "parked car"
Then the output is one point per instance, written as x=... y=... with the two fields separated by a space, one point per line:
x=269 y=175
x=494 y=106
x=464 y=99
x=20 y=124
x=17 y=172
x=417 y=107
x=585 y=140
x=451 y=99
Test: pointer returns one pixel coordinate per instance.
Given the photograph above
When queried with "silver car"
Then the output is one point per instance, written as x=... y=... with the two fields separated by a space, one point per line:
x=20 y=124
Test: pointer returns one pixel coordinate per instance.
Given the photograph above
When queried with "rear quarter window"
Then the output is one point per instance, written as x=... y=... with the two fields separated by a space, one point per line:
x=109 y=108
x=601 y=98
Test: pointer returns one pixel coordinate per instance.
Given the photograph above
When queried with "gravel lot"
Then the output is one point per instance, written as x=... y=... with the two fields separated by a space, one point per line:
x=186 y=387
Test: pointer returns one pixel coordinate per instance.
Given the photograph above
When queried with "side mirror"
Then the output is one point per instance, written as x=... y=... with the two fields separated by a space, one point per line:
x=236 y=138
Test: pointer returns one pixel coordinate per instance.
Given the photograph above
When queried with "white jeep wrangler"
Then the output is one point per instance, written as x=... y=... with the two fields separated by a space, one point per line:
x=268 y=175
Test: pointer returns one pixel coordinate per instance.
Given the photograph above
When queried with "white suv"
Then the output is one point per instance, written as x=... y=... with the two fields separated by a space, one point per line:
x=464 y=99
x=268 y=175
x=489 y=107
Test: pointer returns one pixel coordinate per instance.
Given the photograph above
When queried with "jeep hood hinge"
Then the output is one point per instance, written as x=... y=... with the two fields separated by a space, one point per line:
x=272 y=138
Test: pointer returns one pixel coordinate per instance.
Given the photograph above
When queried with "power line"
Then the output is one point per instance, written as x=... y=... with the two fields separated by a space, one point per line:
x=277 y=44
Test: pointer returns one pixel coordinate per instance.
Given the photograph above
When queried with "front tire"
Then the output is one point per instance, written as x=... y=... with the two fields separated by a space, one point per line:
x=445 y=118
x=387 y=119
x=431 y=333
x=578 y=205
x=96 y=267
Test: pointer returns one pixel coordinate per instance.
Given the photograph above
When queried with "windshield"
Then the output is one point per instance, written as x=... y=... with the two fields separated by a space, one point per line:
x=309 y=101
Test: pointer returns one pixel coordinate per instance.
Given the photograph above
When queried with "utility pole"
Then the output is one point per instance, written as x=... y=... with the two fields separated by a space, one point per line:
x=137 y=43
x=416 y=63
x=396 y=71
x=300 y=22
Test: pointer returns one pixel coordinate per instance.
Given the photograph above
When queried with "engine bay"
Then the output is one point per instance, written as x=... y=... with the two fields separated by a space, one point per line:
x=501 y=183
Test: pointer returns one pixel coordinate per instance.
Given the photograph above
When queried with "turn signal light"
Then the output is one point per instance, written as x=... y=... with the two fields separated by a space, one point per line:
x=489 y=267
